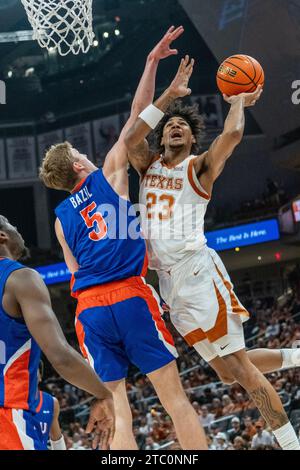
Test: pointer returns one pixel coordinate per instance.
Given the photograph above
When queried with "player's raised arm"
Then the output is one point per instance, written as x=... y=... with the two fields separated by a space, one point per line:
x=210 y=166
x=68 y=255
x=56 y=438
x=150 y=117
x=34 y=301
x=117 y=159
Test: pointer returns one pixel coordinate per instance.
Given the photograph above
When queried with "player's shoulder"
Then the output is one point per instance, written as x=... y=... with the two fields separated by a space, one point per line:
x=94 y=175
x=93 y=182
x=25 y=279
x=25 y=274
x=155 y=163
x=49 y=398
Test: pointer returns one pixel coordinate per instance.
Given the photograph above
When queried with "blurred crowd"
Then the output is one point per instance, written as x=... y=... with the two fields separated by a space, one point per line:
x=230 y=419
x=265 y=205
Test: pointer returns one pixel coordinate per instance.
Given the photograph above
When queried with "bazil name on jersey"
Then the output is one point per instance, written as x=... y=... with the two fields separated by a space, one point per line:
x=81 y=197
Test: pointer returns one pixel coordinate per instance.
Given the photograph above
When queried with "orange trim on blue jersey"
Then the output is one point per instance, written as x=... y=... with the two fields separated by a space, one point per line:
x=156 y=315
x=110 y=294
x=38 y=408
x=81 y=337
x=72 y=282
x=102 y=289
x=119 y=291
x=9 y=438
x=17 y=392
x=79 y=185
x=145 y=265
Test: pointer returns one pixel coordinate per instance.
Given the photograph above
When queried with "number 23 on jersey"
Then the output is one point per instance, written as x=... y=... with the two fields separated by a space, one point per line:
x=164 y=203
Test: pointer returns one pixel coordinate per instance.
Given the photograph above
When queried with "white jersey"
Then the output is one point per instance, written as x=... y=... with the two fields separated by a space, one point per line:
x=173 y=206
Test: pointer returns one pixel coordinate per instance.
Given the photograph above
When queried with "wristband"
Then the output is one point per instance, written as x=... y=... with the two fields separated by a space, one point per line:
x=58 y=445
x=152 y=116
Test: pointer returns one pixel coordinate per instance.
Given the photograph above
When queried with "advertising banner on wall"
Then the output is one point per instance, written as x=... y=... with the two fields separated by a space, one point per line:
x=106 y=133
x=2 y=161
x=21 y=157
x=46 y=140
x=80 y=137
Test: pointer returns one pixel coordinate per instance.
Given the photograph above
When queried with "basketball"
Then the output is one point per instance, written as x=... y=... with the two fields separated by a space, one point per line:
x=240 y=74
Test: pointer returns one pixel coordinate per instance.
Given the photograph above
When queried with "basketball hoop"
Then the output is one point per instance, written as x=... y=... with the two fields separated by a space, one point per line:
x=61 y=25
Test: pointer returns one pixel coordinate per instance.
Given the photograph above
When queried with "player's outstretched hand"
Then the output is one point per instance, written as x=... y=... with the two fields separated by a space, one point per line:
x=102 y=423
x=179 y=88
x=163 y=49
x=250 y=99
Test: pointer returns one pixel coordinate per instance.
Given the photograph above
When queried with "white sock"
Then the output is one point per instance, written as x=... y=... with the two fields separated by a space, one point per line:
x=287 y=438
x=290 y=358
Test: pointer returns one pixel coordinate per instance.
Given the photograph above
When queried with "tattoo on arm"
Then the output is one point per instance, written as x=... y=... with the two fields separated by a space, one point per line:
x=275 y=419
x=140 y=156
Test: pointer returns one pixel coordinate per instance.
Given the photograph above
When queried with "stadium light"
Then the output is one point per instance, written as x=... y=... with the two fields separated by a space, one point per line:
x=29 y=71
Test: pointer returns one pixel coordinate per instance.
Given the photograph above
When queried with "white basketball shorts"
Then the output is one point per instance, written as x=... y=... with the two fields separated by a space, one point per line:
x=203 y=306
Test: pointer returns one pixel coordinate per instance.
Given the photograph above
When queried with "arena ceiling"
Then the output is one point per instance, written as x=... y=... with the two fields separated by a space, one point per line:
x=107 y=74
x=13 y=18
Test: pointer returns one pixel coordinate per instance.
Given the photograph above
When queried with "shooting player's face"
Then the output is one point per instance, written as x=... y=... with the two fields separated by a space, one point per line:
x=177 y=134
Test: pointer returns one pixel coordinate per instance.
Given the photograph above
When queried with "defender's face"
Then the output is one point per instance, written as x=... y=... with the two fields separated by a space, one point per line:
x=177 y=133
x=83 y=163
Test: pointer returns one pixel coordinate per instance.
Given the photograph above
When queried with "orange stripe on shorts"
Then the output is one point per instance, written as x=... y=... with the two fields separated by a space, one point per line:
x=219 y=330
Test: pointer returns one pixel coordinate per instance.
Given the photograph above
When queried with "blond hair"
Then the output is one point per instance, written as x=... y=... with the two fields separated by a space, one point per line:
x=57 y=168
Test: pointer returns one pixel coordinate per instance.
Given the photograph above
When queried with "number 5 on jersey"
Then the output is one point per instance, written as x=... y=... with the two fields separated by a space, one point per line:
x=94 y=221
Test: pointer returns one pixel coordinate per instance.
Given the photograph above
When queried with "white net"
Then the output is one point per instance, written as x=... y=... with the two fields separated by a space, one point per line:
x=61 y=25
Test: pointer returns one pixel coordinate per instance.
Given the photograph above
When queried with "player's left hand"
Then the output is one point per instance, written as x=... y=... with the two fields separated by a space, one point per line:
x=163 y=50
x=179 y=88
x=250 y=99
x=102 y=423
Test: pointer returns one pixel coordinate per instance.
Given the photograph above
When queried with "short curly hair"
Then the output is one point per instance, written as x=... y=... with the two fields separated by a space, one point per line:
x=190 y=113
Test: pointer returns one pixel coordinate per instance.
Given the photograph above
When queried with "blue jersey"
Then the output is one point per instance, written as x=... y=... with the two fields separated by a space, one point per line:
x=19 y=354
x=103 y=233
x=45 y=414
